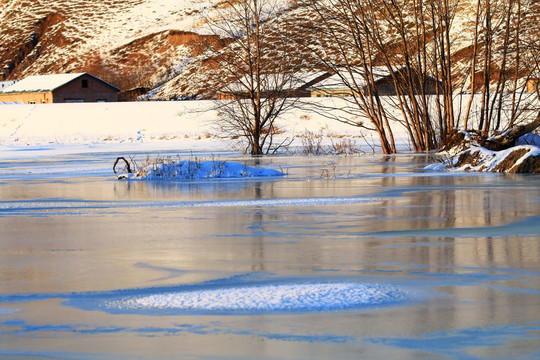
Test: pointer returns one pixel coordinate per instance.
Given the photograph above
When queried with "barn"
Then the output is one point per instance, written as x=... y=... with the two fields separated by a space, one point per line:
x=533 y=84
x=343 y=84
x=275 y=85
x=60 y=88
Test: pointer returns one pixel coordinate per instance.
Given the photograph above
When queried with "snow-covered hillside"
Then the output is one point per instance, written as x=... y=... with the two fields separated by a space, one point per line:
x=191 y=77
x=153 y=38
x=150 y=44
x=47 y=36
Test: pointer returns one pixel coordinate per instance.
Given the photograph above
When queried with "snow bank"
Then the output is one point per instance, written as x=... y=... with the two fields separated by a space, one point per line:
x=436 y=167
x=112 y=123
x=518 y=159
x=192 y=169
x=267 y=298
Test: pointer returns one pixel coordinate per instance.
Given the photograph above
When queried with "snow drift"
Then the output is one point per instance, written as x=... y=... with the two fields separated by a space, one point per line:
x=196 y=169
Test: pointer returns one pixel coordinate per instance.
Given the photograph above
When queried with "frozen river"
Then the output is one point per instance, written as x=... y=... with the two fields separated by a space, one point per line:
x=343 y=258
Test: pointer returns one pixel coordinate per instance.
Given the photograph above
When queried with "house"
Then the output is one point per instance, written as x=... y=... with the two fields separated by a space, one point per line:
x=341 y=84
x=347 y=83
x=286 y=85
x=60 y=88
x=533 y=84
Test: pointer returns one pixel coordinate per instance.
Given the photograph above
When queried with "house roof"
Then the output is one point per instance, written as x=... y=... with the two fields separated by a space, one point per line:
x=281 y=82
x=46 y=83
x=5 y=84
x=344 y=80
x=355 y=79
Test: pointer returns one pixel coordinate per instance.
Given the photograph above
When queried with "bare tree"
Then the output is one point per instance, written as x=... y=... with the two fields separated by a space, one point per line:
x=408 y=41
x=441 y=15
x=376 y=48
x=254 y=76
x=501 y=62
x=417 y=44
x=339 y=38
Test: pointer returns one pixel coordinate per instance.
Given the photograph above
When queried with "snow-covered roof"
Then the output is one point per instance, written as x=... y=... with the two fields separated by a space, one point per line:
x=344 y=79
x=44 y=83
x=282 y=82
x=5 y=84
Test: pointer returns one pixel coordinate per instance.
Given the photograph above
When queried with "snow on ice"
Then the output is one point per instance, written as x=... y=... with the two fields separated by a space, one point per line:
x=268 y=298
x=193 y=169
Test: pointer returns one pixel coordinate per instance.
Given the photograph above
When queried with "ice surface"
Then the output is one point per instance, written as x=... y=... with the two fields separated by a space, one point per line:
x=384 y=260
x=8 y=311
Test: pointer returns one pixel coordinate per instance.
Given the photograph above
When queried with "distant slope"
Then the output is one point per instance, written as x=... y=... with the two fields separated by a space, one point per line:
x=153 y=46
x=146 y=37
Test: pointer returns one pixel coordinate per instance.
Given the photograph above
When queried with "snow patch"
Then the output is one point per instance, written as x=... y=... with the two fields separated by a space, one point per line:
x=436 y=167
x=190 y=169
x=268 y=298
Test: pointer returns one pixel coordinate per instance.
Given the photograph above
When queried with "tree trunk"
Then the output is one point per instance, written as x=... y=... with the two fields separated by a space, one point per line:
x=509 y=138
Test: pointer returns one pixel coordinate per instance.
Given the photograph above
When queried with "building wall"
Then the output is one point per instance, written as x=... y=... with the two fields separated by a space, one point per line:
x=386 y=86
x=28 y=98
x=264 y=94
x=331 y=93
x=95 y=91
x=225 y=96
x=533 y=85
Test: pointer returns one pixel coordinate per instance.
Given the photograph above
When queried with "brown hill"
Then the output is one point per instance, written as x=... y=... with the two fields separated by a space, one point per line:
x=127 y=42
x=156 y=44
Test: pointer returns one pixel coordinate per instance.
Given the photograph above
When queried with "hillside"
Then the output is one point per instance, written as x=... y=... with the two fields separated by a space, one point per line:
x=119 y=40
x=156 y=46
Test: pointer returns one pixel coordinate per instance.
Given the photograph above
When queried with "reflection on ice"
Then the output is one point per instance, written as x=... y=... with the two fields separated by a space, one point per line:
x=528 y=226
x=268 y=298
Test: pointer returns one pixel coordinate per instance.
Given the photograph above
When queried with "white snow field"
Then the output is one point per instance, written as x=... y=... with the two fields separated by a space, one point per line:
x=46 y=129
x=140 y=126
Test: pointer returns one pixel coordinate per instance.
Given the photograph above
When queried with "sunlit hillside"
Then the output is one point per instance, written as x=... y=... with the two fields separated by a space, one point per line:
x=155 y=46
